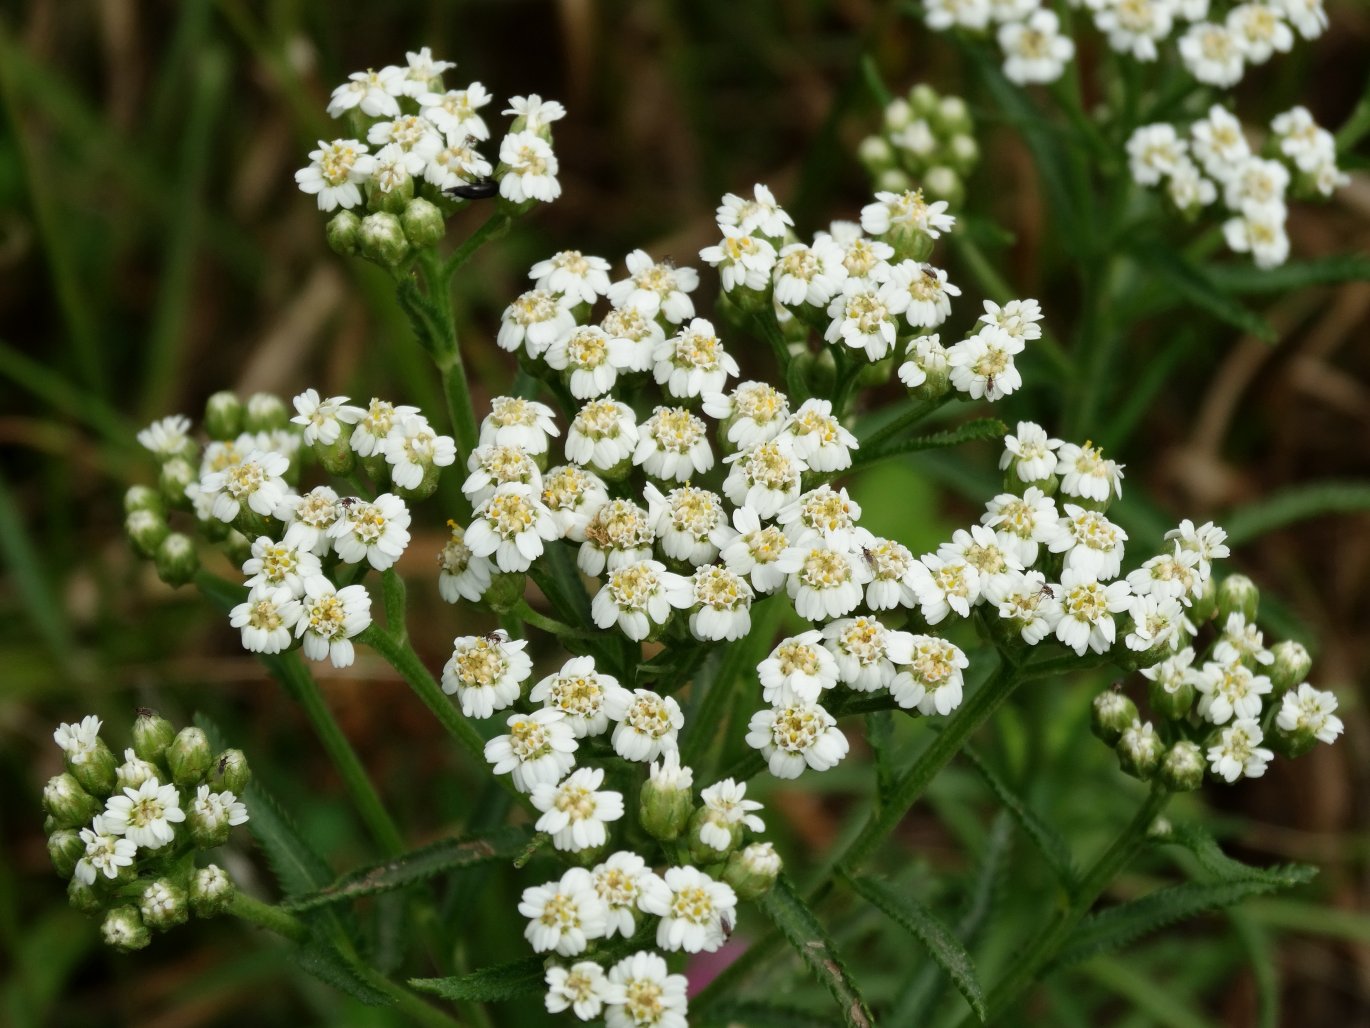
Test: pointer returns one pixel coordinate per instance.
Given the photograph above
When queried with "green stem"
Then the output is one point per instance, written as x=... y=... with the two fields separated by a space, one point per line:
x=264 y=915
x=907 y=419
x=447 y=350
x=558 y=628
x=495 y=226
x=392 y=592
x=789 y=368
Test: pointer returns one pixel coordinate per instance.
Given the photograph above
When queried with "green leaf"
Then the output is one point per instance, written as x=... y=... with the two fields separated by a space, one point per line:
x=1160 y=1002
x=1295 y=504
x=1243 y=278
x=1213 y=860
x=298 y=868
x=489 y=984
x=971 y=431
x=1196 y=285
x=416 y=865
x=324 y=963
x=1047 y=840
x=802 y=930
x=756 y=1014
x=927 y=928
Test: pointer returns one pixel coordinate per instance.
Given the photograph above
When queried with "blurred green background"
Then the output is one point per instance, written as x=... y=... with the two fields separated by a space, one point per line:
x=153 y=249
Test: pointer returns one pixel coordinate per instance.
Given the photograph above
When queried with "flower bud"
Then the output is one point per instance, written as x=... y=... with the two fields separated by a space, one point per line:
x=265 y=412
x=963 y=153
x=505 y=591
x=133 y=772
x=875 y=153
x=383 y=240
x=123 y=929
x=1171 y=697
x=143 y=497
x=172 y=480
x=224 y=415
x=752 y=871
x=1140 y=750
x=86 y=897
x=1111 y=715
x=337 y=457
x=210 y=891
x=229 y=772
x=423 y=224
x=69 y=804
x=1237 y=594
x=163 y=905
x=1182 y=769
x=893 y=180
x=177 y=560
x=65 y=848
x=188 y=756
x=1205 y=603
x=952 y=117
x=898 y=114
x=94 y=770
x=666 y=800
x=1291 y=666
x=705 y=828
x=145 y=530
x=942 y=183
x=924 y=100
x=342 y=233
x=237 y=546
x=152 y=734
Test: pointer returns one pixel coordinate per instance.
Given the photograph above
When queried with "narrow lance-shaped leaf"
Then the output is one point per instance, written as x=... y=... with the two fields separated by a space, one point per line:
x=1241 y=277
x=1194 y=284
x=1297 y=504
x=489 y=984
x=1047 y=840
x=324 y=963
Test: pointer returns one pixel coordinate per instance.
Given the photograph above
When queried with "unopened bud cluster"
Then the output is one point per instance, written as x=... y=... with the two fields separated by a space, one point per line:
x=924 y=137
x=126 y=834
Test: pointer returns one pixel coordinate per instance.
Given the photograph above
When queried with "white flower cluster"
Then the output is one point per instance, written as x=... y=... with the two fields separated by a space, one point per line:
x=1214 y=52
x=923 y=137
x=1214 y=160
x=423 y=131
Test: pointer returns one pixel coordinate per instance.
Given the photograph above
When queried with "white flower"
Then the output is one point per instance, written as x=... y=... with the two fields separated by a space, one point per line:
x=535 y=112
x=618 y=534
x=1019 y=318
x=540 y=747
x=797 y=670
x=530 y=169
x=635 y=336
x=1214 y=54
x=167 y=437
x=1241 y=641
x=643 y=995
x=1171 y=576
x=765 y=477
x=456 y=111
x=926 y=356
x=863 y=650
x=576 y=276
x=1021 y=523
x=692 y=907
x=572 y=495
x=330 y=617
x=602 y=435
x=1023 y=603
x=334 y=173
x=575 y=811
x=78 y=741
x=511 y=527
x=808 y=274
x=920 y=292
x=685 y=521
x=456 y=164
x=754 y=412
x=968 y=14
x=982 y=366
x=722 y=604
x=218 y=808
x=820 y=441
x=1035 y=50
x=536 y=320
x=514 y=421
x=1092 y=544
x=824 y=513
x=373 y=91
x=619 y=881
x=1306 y=709
x=1308 y=16
x=375 y=531
x=759 y=214
x=1261 y=30
x=796 y=736
x=144 y=815
x=563 y=916
x=861 y=257
x=931 y=678
x=944 y=585
x=1256 y=184
x=106 y=851
x=267 y=617
x=995 y=566
x=1157 y=622
x=461 y=574
x=1228 y=689
x=693 y=362
x=1219 y=143
x=647 y=724
x=673 y=445
x=375 y=425
x=751 y=549
x=323 y=419
x=860 y=316
x=1173 y=673
x=257 y=482
x=638 y=596
x=486 y=672
x=1083 y=609
x=309 y=517
x=413 y=449
x=892 y=572
x=823 y=583
x=411 y=134
x=1239 y=752
x=1134 y=27
x=1031 y=453
x=589 y=360
x=422 y=71
x=1260 y=231
x=1086 y=473
x=654 y=288
x=1207 y=540
x=1154 y=152
x=1302 y=141
x=582 y=988
x=1188 y=189
x=906 y=211
x=394 y=167
x=582 y=694
x=743 y=260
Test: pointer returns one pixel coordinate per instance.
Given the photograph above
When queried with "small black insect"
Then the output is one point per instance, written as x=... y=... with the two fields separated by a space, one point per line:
x=223 y=763
x=497 y=637
x=347 y=501
x=1047 y=590
x=481 y=189
x=727 y=924
x=869 y=555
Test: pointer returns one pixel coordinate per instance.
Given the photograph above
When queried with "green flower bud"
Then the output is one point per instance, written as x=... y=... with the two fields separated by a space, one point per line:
x=423 y=224
x=1182 y=769
x=69 y=804
x=898 y=114
x=876 y=374
x=94 y=770
x=237 y=546
x=704 y=825
x=265 y=412
x=65 y=848
x=1140 y=750
x=133 y=772
x=175 y=475
x=942 y=183
x=893 y=180
x=338 y=457
x=87 y=897
x=152 y=734
x=123 y=929
x=952 y=117
x=1111 y=715
x=1171 y=697
x=224 y=416
x=1237 y=594
x=963 y=153
x=505 y=591
x=145 y=530
x=383 y=239
x=1291 y=666
x=1205 y=603
x=820 y=370
x=752 y=871
x=211 y=890
x=875 y=153
x=230 y=772
x=924 y=100
x=142 y=497
x=177 y=560
x=189 y=757
x=163 y=904
x=342 y=232
x=666 y=800
x=427 y=486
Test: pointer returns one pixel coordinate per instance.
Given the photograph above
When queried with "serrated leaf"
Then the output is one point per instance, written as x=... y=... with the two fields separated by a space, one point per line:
x=297 y=867
x=1243 y=278
x=1195 y=284
x=1299 y=503
x=971 y=431
x=1047 y=840
x=489 y=984
x=416 y=865
x=927 y=928
x=325 y=964
x=1222 y=867
x=803 y=931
